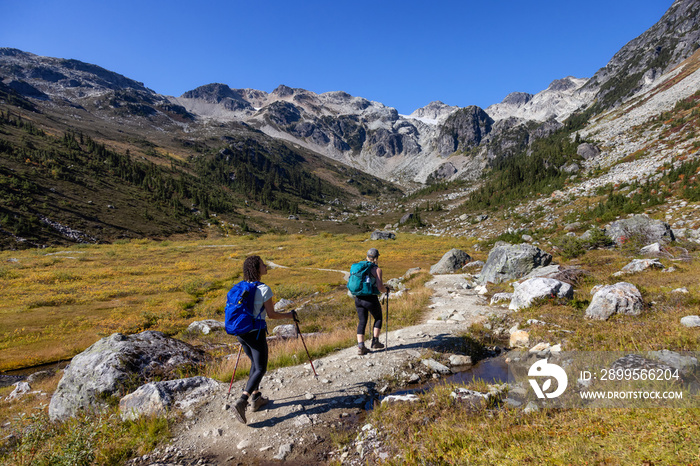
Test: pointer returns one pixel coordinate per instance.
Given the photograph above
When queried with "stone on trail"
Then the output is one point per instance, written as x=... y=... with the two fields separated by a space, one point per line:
x=284 y=451
x=436 y=366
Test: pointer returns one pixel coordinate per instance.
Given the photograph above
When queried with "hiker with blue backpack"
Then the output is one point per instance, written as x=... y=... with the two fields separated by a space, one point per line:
x=248 y=303
x=365 y=284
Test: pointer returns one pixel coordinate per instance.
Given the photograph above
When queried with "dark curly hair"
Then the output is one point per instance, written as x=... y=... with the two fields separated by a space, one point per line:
x=251 y=268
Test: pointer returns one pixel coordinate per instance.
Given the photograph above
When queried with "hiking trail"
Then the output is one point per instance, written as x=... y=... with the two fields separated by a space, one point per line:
x=295 y=425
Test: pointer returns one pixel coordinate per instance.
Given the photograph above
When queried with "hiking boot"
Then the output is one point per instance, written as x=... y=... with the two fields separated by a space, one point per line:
x=259 y=402
x=239 y=409
x=362 y=350
x=376 y=344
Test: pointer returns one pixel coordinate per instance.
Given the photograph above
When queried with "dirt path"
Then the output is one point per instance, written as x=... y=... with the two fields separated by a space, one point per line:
x=296 y=424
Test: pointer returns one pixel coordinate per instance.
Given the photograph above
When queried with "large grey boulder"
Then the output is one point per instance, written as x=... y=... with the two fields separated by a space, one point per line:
x=512 y=261
x=113 y=364
x=620 y=298
x=157 y=398
x=640 y=228
x=453 y=260
x=587 y=150
x=540 y=287
x=377 y=235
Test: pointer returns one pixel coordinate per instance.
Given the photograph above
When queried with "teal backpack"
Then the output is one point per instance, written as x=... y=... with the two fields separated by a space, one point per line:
x=361 y=282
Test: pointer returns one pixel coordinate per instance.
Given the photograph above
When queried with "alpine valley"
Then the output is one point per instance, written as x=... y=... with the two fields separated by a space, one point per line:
x=89 y=155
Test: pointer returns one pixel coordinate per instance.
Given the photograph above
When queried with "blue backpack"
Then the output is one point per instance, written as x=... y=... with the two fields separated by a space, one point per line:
x=240 y=313
x=361 y=282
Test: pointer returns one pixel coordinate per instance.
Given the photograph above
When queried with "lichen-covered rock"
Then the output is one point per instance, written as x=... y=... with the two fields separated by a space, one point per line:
x=512 y=261
x=690 y=321
x=587 y=151
x=113 y=364
x=381 y=235
x=452 y=261
x=157 y=398
x=639 y=228
x=540 y=287
x=640 y=265
x=620 y=298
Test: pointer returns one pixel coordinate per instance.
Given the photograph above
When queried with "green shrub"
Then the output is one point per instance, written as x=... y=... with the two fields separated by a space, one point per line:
x=570 y=246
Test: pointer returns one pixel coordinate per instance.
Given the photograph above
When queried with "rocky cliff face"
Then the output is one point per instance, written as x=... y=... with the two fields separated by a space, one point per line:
x=363 y=134
x=72 y=83
x=463 y=129
x=643 y=60
x=558 y=101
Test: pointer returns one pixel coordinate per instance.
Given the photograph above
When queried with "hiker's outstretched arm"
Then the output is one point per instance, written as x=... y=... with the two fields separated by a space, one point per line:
x=380 y=283
x=272 y=314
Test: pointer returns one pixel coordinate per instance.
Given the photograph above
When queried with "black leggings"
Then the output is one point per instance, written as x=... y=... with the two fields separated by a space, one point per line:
x=255 y=346
x=366 y=305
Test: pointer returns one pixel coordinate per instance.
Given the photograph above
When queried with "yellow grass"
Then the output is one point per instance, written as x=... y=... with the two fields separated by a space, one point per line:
x=57 y=302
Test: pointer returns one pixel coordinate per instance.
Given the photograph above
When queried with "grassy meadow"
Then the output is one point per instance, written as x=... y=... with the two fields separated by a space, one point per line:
x=57 y=302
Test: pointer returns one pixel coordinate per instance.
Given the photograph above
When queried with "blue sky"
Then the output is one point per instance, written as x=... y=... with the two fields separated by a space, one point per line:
x=403 y=54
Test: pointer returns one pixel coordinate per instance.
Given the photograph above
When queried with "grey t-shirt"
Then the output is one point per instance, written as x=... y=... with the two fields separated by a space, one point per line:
x=262 y=294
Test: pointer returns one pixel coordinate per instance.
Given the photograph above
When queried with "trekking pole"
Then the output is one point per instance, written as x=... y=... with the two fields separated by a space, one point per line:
x=386 y=335
x=296 y=322
x=240 y=347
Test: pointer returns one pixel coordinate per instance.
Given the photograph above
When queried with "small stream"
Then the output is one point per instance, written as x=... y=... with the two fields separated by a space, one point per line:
x=491 y=370
x=11 y=377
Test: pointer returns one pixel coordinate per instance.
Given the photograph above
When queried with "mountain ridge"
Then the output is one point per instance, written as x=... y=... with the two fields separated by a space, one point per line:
x=434 y=144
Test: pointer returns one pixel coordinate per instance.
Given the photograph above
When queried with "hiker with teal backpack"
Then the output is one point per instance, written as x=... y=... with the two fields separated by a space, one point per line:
x=365 y=284
x=248 y=303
